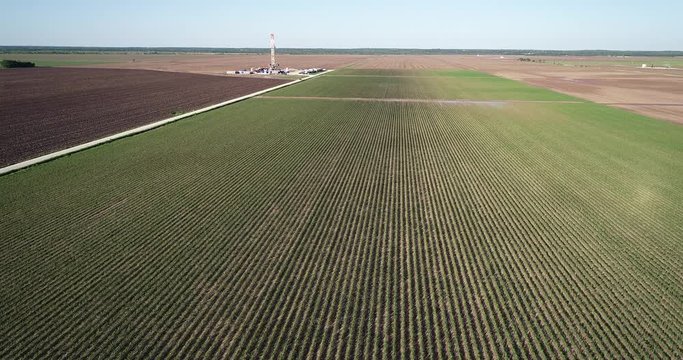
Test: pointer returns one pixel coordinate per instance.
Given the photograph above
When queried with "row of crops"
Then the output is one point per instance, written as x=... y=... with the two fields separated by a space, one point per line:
x=459 y=84
x=283 y=227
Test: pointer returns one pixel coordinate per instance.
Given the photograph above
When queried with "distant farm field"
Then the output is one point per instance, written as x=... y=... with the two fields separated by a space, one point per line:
x=668 y=62
x=310 y=223
x=75 y=59
x=458 y=84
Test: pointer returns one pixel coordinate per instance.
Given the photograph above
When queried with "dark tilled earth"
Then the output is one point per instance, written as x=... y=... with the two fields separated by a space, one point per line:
x=48 y=109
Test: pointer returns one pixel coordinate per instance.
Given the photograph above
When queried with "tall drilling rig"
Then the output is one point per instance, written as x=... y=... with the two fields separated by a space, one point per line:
x=273 y=64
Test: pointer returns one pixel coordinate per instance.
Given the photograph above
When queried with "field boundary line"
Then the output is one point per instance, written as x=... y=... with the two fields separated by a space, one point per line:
x=413 y=76
x=140 y=129
x=431 y=101
x=638 y=104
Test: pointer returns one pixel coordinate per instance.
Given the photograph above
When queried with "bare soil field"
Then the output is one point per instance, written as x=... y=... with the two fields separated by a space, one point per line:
x=216 y=64
x=48 y=109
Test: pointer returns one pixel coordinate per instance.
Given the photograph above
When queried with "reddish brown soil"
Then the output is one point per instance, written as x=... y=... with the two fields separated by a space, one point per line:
x=48 y=109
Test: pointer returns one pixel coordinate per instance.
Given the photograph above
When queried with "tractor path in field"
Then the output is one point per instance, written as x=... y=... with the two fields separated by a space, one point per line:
x=403 y=76
x=639 y=104
x=465 y=101
x=430 y=101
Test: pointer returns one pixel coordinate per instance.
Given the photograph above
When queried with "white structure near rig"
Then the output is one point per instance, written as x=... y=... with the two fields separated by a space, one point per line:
x=274 y=67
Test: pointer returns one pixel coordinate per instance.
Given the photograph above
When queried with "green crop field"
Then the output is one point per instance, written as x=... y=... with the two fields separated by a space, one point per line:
x=53 y=60
x=322 y=228
x=461 y=84
x=76 y=59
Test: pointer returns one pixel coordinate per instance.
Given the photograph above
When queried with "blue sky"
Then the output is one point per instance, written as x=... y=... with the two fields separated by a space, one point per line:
x=549 y=24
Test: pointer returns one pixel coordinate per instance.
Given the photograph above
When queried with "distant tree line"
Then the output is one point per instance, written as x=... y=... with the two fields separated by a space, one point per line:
x=320 y=51
x=16 y=64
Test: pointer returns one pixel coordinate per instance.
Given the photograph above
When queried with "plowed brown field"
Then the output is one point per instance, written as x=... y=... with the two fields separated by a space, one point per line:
x=48 y=109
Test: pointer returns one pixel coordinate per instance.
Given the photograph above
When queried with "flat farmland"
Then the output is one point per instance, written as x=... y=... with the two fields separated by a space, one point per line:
x=44 y=110
x=58 y=60
x=612 y=81
x=214 y=64
x=457 y=84
x=218 y=64
x=318 y=222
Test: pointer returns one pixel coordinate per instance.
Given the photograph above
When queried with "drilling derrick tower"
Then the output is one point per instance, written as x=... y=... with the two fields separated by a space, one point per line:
x=273 y=64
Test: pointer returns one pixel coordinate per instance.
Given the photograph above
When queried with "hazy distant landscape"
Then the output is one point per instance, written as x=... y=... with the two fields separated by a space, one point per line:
x=328 y=51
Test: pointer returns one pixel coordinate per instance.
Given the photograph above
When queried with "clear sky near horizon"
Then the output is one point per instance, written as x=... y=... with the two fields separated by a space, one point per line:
x=482 y=24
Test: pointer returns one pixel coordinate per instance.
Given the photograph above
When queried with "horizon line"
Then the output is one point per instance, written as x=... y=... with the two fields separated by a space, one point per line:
x=334 y=48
